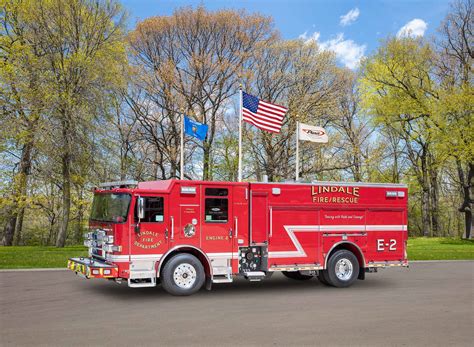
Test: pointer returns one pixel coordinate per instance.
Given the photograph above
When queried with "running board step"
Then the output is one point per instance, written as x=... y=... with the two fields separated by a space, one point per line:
x=254 y=275
x=221 y=279
x=222 y=274
x=142 y=279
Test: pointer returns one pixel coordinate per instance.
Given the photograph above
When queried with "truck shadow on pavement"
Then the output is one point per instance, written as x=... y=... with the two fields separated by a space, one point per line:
x=239 y=287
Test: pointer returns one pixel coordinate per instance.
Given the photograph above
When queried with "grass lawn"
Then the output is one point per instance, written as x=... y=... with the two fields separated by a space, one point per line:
x=439 y=248
x=26 y=257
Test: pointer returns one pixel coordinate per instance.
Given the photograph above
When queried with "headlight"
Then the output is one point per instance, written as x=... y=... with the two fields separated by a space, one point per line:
x=100 y=235
x=109 y=239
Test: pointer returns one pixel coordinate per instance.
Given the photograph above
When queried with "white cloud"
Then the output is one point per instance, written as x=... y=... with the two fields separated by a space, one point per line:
x=413 y=28
x=350 y=17
x=348 y=52
x=313 y=37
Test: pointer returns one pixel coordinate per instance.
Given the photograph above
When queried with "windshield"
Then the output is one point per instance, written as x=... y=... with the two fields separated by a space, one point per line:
x=110 y=207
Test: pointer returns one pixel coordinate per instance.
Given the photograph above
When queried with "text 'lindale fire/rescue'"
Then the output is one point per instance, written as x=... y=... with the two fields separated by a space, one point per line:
x=348 y=190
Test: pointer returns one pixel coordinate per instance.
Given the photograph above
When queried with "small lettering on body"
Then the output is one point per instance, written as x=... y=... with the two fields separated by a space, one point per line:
x=216 y=238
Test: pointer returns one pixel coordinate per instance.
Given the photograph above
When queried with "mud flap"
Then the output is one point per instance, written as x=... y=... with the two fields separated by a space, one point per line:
x=208 y=283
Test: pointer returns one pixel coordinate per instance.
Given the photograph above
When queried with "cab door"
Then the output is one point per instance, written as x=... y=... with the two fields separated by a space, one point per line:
x=150 y=235
x=218 y=221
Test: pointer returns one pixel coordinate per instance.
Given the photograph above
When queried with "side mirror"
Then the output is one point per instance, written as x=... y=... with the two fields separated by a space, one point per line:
x=141 y=208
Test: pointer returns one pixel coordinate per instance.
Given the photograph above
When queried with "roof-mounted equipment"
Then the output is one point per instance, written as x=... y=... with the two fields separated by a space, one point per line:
x=119 y=184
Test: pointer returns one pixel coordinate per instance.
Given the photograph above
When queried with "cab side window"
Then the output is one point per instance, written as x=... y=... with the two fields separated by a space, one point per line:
x=216 y=205
x=154 y=210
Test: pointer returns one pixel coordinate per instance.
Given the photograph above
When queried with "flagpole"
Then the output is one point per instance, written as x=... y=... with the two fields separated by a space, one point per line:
x=297 y=151
x=181 y=169
x=240 y=136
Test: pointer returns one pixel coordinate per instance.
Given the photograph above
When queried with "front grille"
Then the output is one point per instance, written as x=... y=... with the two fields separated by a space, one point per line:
x=95 y=241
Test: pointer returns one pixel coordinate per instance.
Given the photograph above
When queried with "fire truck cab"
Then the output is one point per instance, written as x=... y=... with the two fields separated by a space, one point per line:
x=187 y=234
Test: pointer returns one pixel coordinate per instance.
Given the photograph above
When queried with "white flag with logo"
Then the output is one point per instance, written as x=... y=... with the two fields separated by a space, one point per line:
x=312 y=133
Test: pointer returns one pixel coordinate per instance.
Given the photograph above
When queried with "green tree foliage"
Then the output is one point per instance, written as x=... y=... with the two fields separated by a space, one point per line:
x=422 y=91
x=78 y=48
x=24 y=97
x=399 y=90
x=455 y=110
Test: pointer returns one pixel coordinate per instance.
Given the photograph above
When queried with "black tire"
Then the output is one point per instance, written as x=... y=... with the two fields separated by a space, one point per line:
x=183 y=275
x=348 y=261
x=322 y=277
x=296 y=275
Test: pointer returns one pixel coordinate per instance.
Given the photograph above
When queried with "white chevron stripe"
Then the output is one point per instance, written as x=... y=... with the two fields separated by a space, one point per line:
x=291 y=229
x=342 y=228
x=387 y=228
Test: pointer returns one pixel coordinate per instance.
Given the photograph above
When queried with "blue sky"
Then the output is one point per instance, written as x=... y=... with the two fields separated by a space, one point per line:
x=351 y=29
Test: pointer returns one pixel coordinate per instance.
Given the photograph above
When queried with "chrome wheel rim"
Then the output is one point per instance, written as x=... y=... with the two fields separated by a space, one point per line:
x=184 y=275
x=344 y=269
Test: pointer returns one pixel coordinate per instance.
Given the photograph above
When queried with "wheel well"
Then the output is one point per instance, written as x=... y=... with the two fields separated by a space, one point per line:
x=193 y=251
x=349 y=247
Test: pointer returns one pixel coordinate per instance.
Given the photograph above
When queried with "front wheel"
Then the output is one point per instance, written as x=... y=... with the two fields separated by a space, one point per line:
x=342 y=269
x=183 y=275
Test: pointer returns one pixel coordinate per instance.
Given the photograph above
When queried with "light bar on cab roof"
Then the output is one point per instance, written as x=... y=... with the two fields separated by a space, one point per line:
x=119 y=184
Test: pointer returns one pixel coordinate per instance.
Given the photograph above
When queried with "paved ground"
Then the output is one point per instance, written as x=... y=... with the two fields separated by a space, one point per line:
x=428 y=304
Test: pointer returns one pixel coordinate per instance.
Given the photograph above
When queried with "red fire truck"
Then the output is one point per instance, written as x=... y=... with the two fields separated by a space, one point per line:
x=186 y=234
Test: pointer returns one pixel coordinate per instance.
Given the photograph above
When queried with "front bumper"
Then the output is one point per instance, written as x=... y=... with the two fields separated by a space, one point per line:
x=92 y=268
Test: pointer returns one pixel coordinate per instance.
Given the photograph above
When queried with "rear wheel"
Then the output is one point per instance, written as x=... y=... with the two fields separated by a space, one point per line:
x=342 y=269
x=183 y=275
x=296 y=275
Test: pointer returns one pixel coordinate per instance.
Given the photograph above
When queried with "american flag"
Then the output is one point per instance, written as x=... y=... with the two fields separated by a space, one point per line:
x=263 y=115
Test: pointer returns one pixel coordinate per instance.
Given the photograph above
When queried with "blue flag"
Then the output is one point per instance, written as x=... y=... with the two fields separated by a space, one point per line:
x=195 y=129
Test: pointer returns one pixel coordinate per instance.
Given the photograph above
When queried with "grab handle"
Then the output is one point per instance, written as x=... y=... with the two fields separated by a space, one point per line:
x=172 y=228
x=271 y=222
x=236 y=227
